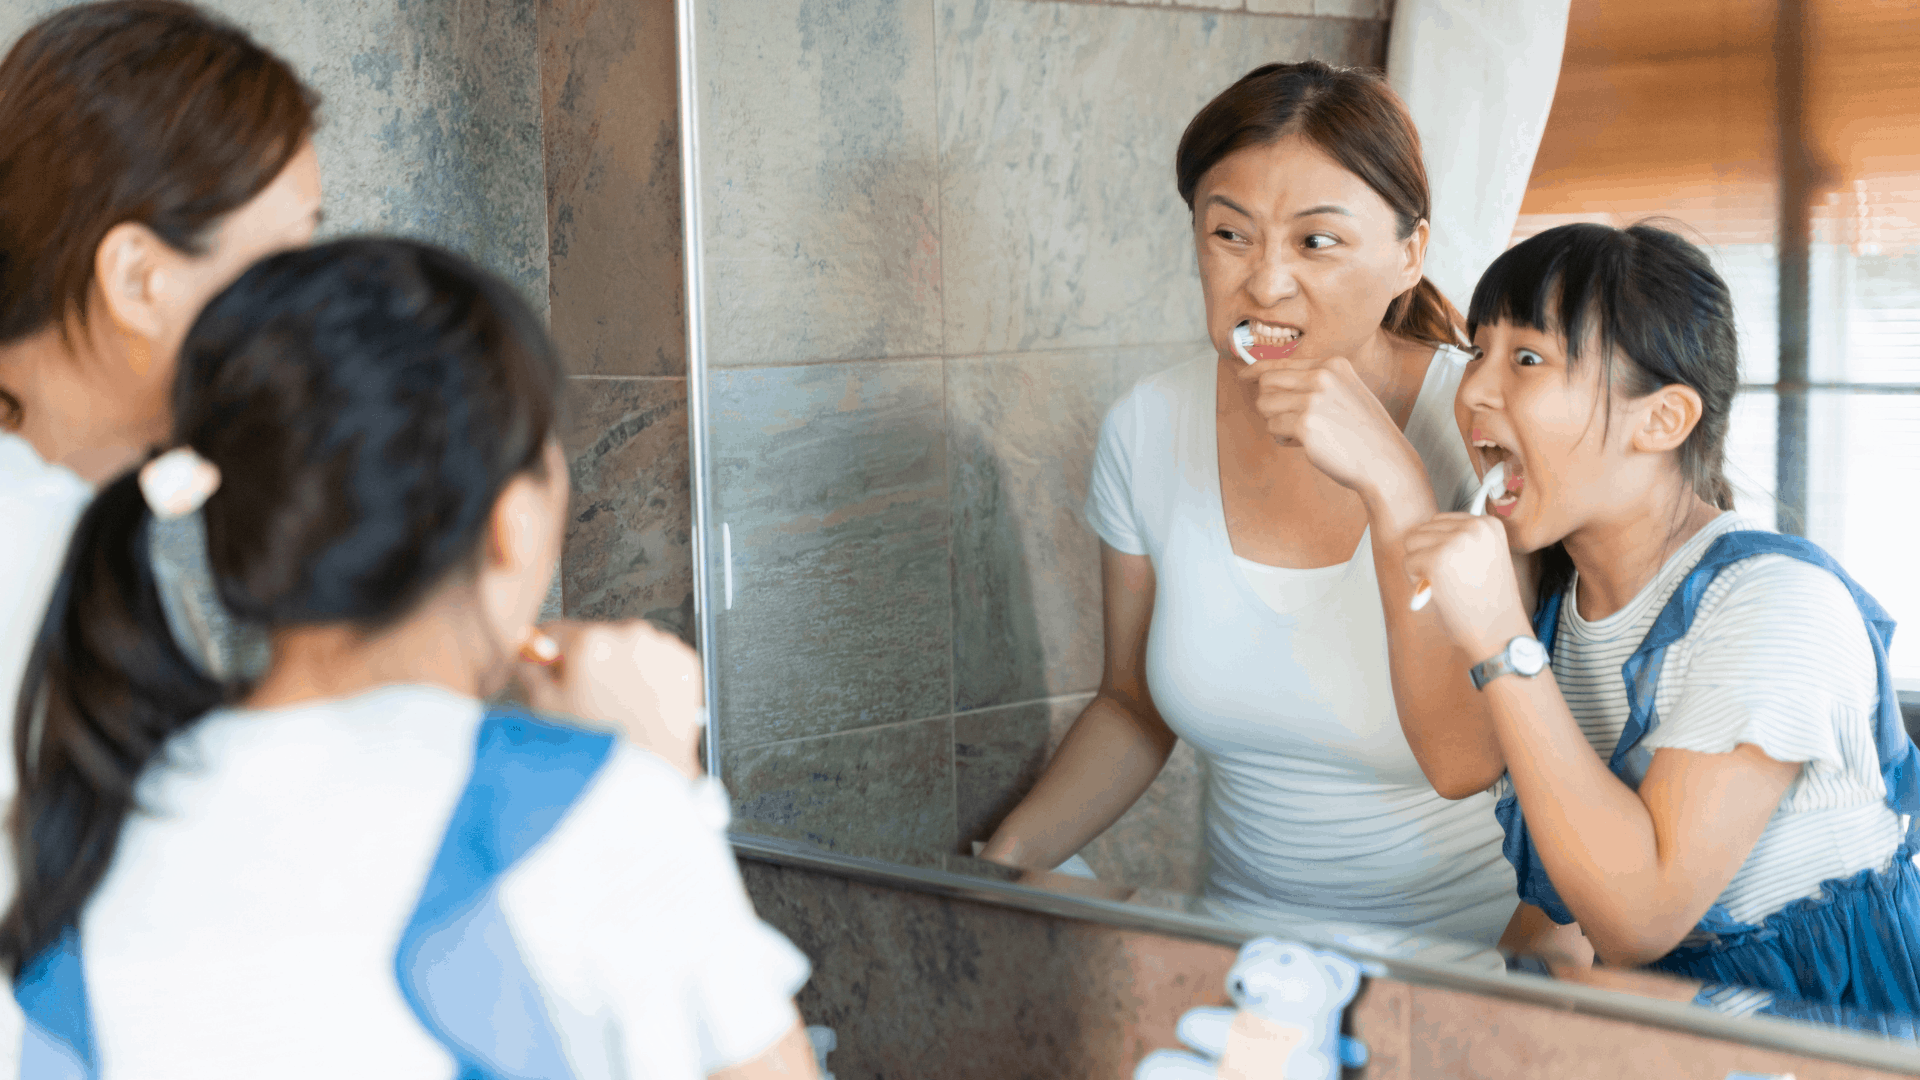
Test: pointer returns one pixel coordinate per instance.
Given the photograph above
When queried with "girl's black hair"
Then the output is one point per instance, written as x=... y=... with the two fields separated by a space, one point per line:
x=366 y=401
x=1642 y=295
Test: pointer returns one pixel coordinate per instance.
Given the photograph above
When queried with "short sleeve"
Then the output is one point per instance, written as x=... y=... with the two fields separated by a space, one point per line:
x=1111 y=511
x=638 y=927
x=1781 y=661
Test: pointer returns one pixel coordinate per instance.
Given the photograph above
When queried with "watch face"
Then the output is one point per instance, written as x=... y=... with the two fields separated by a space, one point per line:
x=1527 y=655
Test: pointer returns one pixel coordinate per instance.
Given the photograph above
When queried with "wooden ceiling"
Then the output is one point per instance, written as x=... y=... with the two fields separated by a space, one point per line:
x=1665 y=103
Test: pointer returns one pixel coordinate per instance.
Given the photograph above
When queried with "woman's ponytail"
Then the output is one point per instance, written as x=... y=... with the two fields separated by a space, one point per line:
x=1424 y=314
x=105 y=688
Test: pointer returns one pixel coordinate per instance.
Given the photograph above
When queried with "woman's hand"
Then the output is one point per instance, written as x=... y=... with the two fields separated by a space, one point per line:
x=630 y=676
x=1324 y=408
x=1467 y=561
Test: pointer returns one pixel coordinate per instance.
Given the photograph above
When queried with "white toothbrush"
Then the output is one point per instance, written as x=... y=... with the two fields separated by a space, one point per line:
x=1242 y=341
x=1495 y=479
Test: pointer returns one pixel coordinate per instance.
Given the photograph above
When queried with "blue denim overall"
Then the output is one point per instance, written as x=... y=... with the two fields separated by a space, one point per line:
x=1857 y=944
x=456 y=965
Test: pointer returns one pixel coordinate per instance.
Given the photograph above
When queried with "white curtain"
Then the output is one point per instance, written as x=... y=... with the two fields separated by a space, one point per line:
x=1478 y=76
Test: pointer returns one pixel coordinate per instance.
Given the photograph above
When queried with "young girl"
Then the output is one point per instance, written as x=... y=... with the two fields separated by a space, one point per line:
x=1709 y=773
x=353 y=867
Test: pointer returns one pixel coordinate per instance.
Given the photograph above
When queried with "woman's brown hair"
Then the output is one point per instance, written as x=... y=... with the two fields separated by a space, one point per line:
x=149 y=111
x=1355 y=118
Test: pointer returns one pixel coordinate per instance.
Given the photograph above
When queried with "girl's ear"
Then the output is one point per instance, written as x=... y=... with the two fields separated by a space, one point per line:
x=1414 y=251
x=1666 y=417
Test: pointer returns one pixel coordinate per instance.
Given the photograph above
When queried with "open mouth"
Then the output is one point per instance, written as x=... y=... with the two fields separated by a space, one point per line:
x=1273 y=340
x=1492 y=453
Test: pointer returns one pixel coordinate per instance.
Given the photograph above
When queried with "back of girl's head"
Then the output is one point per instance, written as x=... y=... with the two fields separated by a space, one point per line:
x=1642 y=295
x=148 y=111
x=366 y=402
x=1352 y=116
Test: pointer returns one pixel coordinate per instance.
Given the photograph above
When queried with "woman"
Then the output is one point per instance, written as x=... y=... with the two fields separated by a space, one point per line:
x=1702 y=754
x=1250 y=586
x=358 y=868
x=148 y=154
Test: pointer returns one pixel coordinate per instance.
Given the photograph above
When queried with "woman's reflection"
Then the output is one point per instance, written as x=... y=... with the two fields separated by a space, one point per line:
x=1244 y=578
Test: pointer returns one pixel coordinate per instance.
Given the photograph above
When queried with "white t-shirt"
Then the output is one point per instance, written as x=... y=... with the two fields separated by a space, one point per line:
x=1778 y=657
x=1315 y=804
x=249 y=922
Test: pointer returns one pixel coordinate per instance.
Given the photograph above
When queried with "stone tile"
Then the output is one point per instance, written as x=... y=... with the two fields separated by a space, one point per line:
x=629 y=547
x=820 y=180
x=1022 y=430
x=920 y=986
x=1287 y=7
x=998 y=755
x=861 y=792
x=1060 y=224
x=611 y=106
x=831 y=481
x=1462 y=1036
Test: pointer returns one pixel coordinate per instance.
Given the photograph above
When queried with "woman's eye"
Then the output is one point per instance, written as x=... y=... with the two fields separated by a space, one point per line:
x=1228 y=235
x=1320 y=240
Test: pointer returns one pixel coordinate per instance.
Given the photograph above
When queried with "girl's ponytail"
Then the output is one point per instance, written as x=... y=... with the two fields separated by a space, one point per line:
x=105 y=689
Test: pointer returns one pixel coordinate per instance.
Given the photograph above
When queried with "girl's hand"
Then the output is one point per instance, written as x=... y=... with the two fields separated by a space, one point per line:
x=1323 y=407
x=1474 y=589
x=629 y=676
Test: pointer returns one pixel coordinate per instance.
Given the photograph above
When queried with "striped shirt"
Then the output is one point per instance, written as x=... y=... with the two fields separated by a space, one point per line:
x=1777 y=657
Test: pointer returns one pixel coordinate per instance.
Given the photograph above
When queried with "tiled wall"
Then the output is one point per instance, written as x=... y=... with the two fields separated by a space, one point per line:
x=936 y=989
x=609 y=91
x=942 y=237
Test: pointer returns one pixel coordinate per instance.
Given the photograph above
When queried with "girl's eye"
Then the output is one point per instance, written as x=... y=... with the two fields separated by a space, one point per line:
x=1527 y=358
x=1320 y=240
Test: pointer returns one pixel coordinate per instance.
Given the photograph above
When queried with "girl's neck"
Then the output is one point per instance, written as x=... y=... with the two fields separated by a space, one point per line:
x=68 y=417
x=443 y=644
x=1617 y=557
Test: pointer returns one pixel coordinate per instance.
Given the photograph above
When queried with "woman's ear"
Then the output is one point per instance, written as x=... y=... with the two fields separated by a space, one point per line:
x=1414 y=255
x=127 y=267
x=1667 y=417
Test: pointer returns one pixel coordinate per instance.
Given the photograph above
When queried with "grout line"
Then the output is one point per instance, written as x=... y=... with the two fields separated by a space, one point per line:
x=946 y=426
x=630 y=378
x=1051 y=700
x=909 y=358
x=1192 y=9
x=837 y=734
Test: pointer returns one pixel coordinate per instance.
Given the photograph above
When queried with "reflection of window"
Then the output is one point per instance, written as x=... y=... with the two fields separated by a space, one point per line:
x=1796 y=158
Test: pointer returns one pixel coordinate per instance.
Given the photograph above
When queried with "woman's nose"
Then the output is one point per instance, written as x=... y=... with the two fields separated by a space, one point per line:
x=1273 y=278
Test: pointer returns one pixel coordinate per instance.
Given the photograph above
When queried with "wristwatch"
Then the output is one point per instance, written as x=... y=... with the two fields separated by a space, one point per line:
x=1523 y=655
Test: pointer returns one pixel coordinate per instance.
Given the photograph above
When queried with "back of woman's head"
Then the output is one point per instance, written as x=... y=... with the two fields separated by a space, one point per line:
x=366 y=402
x=1352 y=116
x=1652 y=308
x=147 y=111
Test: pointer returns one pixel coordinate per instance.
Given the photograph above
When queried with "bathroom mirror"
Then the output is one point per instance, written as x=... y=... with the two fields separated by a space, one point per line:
x=930 y=244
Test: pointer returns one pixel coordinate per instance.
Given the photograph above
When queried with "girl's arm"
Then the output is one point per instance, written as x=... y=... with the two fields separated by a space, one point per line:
x=1637 y=869
x=1323 y=407
x=1114 y=750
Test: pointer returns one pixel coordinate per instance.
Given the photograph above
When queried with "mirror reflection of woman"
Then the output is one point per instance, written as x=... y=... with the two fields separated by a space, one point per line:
x=1250 y=585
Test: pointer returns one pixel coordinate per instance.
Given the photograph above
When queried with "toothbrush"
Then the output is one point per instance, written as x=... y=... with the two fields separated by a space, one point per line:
x=1495 y=479
x=1242 y=341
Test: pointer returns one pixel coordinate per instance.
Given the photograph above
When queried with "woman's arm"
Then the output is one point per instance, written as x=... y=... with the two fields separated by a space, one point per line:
x=1637 y=869
x=1323 y=407
x=1113 y=751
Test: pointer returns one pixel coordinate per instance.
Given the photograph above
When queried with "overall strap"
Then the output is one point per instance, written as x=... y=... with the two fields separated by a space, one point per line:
x=1899 y=761
x=458 y=966
x=52 y=992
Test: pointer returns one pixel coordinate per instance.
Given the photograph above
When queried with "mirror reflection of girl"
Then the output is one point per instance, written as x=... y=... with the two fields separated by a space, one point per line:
x=1249 y=588
x=148 y=154
x=357 y=868
x=1711 y=775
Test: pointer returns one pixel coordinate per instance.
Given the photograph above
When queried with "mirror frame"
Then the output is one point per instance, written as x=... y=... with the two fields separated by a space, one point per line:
x=1766 y=1032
